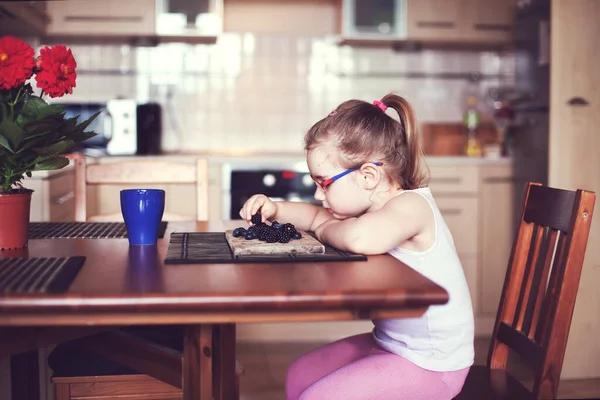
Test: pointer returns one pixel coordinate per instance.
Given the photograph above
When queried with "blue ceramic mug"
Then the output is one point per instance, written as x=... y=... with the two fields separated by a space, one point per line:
x=142 y=211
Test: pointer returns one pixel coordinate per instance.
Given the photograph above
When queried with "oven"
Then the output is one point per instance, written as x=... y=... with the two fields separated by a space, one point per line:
x=276 y=181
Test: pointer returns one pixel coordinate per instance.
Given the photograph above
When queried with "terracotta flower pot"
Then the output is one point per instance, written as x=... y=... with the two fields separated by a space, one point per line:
x=14 y=220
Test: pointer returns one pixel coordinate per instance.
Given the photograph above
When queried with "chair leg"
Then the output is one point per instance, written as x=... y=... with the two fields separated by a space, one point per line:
x=25 y=376
x=61 y=391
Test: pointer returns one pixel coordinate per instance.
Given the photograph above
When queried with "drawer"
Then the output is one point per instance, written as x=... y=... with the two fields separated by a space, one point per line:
x=453 y=179
x=461 y=216
x=61 y=190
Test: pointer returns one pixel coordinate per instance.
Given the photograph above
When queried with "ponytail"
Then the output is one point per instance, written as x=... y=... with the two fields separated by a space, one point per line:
x=413 y=177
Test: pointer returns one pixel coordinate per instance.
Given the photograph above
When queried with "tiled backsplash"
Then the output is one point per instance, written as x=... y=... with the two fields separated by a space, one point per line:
x=260 y=92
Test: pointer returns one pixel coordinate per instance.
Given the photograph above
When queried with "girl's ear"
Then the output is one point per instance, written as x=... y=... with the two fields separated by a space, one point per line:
x=370 y=175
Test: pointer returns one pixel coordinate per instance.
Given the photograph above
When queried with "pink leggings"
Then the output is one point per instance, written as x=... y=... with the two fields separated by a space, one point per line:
x=355 y=368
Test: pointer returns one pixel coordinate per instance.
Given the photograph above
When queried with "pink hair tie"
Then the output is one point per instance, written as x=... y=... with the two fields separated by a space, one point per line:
x=380 y=105
x=332 y=113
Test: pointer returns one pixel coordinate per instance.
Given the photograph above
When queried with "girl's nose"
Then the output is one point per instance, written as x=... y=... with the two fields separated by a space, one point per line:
x=319 y=195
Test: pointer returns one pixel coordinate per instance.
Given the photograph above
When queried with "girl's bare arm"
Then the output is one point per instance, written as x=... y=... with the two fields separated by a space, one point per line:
x=303 y=216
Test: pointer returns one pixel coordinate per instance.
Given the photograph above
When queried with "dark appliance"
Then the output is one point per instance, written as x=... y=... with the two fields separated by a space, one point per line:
x=276 y=184
x=124 y=127
x=532 y=118
x=149 y=128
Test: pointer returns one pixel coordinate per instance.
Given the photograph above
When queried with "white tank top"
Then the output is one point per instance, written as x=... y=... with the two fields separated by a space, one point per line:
x=442 y=338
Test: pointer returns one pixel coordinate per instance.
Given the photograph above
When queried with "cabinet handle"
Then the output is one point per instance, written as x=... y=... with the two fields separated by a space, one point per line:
x=493 y=27
x=578 y=101
x=64 y=198
x=102 y=18
x=436 y=24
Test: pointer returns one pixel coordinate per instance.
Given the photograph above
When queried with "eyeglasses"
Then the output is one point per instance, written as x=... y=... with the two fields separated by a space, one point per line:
x=323 y=185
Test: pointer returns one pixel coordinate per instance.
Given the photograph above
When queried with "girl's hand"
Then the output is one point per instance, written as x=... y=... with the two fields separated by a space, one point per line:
x=321 y=228
x=268 y=208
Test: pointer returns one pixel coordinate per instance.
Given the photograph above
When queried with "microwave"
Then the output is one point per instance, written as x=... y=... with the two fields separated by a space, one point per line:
x=374 y=19
x=124 y=127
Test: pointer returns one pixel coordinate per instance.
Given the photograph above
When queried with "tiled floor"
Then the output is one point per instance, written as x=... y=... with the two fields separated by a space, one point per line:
x=266 y=365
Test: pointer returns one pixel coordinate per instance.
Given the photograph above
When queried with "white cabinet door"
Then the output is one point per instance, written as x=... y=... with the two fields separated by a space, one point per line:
x=103 y=18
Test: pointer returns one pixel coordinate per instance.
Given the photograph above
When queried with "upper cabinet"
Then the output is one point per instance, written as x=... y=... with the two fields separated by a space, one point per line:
x=197 y=21
x=489 y=20
x=375 y=19
x=477 y=22
x=23 y=17
x=434 y=19
x=106 y=18
x=461 y=20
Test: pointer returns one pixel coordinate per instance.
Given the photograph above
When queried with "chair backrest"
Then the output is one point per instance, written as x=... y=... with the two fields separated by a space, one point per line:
x=136 y=172
x=541 y=283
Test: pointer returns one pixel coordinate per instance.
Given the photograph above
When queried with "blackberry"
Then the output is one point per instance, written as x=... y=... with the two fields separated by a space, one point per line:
x=291 y=229
x=256 y=218
x=284 y=237
x=271 y=236
x=237 y=232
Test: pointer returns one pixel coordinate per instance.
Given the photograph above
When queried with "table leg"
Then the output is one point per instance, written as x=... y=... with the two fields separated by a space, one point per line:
x=197 y=362
x=25 y=376
x=224 y=379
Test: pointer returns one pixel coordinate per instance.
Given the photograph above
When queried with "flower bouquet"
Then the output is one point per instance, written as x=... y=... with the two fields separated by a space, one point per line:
x=34 y=135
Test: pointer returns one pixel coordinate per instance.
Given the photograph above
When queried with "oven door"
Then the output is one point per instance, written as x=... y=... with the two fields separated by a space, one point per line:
x=277 y=184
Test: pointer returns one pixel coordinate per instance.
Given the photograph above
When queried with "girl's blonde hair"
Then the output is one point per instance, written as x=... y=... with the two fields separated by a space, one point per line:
x=363 y=132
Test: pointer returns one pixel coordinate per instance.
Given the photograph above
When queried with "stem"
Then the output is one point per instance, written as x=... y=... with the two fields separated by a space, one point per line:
x=13 y=103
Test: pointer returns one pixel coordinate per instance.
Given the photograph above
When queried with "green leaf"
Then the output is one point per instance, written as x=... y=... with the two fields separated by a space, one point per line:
x=4 y=143
x=80 y=137
x=54 y=149
x=51 y=163
x=12 y=132
x=34 y=107
x=83 y=126
x=35 y=128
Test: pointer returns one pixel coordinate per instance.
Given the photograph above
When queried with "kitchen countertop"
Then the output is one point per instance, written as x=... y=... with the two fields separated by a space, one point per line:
x=296 y=160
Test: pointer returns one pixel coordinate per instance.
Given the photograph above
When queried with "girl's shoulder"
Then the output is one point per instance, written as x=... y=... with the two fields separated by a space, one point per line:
x=414 y=202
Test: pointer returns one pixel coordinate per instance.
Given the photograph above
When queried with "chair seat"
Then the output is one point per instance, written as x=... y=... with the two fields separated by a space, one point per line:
x=483 y=383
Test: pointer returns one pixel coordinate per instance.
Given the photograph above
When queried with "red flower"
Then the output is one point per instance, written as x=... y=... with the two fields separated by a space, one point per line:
x=16 y=62
x=56 y=76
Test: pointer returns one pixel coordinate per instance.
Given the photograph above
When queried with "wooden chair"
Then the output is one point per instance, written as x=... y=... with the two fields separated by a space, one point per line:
x=135 y=173
x=147 y=366
x=538 y=297
x=119 y=364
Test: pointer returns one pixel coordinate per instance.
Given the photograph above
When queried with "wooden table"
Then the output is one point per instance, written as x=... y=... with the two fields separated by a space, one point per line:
x=122 y=285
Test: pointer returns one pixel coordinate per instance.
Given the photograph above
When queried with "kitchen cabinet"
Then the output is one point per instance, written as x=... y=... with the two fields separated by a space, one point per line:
x=574 y=161
x=461 y=20
x=107 y=17
x=53 y=196
x=434 y=19
x=484 y=20
x=497 y=234
x=23 y=17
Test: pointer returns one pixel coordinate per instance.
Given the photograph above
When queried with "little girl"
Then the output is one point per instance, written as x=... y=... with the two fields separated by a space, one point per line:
x=368 y=168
